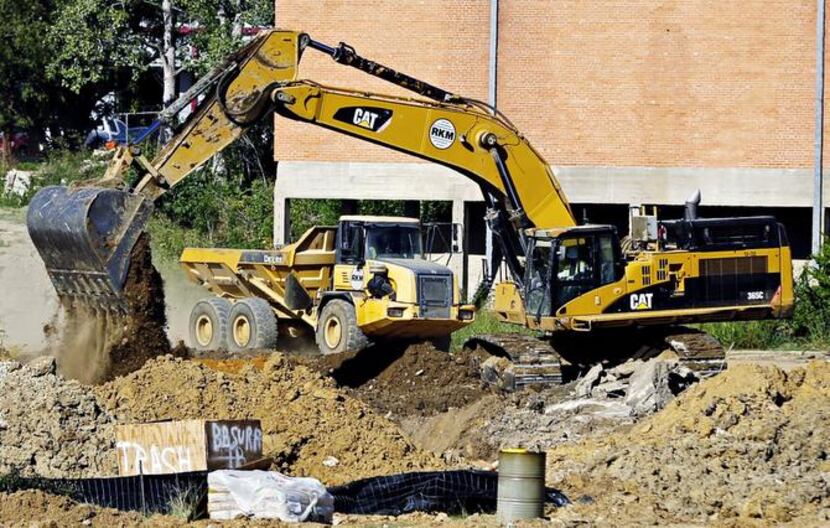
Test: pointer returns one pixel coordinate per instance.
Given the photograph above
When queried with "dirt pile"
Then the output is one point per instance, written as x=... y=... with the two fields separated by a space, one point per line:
x=51 y=427
x=405 y=380
x=36 y=508
x=96 y=346
x=747 y=445
x=310 y=427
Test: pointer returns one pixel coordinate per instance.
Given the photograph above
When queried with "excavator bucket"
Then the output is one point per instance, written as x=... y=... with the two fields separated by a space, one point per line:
x=85 y=237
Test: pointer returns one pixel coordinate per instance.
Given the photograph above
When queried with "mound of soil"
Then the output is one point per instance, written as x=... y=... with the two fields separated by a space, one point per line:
x=97 y=346
x=36 y=508
x=405 y=380
x=310 y=427
x=52 y=427
x=748 y=445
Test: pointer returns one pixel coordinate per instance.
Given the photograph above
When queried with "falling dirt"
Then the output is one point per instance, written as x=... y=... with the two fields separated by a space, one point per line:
x=748 y=447
x=96 y=345
x=306 y=420
x=405 y=380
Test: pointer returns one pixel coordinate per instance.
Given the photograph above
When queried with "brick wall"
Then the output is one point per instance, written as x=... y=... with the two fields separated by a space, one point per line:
x=687 y=83
x=695 y=83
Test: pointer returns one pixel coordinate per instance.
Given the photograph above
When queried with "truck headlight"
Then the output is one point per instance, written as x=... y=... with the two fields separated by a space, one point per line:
x=466 y=315
x=394 y=312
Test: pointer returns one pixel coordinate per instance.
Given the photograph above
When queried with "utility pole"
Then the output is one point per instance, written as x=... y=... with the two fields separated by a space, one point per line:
x=818 y=172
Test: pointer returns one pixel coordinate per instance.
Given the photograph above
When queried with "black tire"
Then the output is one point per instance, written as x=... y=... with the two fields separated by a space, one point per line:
x=209 y=324
x=339 y=314
x=252 y=325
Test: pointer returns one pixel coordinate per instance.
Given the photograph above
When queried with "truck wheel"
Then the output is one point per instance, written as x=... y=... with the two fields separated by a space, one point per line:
x=337 y=329
x=209 y=323
x=252 y=325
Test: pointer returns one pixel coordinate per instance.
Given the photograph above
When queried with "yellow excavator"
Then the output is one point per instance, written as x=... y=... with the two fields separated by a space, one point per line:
x=589 y=294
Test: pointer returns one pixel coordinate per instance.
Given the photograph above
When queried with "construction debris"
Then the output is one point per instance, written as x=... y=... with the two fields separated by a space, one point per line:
x=750 y=443
x=52 y=427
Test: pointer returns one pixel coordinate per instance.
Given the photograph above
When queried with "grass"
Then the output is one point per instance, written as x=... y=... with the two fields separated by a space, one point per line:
x=184 y=503
x=485 y=323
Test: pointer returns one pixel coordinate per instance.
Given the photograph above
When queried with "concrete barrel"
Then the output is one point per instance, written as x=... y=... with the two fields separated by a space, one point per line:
x=521 y=488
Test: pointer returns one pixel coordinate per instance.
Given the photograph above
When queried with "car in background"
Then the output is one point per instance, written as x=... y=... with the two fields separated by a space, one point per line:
x=113 y=131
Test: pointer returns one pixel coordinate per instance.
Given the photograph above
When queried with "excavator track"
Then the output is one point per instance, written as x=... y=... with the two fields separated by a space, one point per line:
x=697 y=350
x=517 y=361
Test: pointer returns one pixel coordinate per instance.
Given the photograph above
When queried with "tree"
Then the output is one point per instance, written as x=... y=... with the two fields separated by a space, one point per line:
x=23 y=55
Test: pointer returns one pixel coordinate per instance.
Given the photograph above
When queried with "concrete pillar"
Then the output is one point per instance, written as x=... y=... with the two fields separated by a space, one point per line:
x=282 y=220
x=458 y=263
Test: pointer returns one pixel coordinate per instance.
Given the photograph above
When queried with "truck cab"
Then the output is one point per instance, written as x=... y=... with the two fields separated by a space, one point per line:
x=380 y=261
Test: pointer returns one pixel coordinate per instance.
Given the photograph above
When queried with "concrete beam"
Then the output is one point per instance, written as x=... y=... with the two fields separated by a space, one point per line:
x=622 y=185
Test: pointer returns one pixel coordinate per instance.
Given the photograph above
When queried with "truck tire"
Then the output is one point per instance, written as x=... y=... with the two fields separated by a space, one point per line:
x=209 y=324
x=337 y=330
x=252 y=325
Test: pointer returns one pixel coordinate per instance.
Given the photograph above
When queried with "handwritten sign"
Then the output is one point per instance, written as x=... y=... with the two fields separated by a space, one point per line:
x=187 y=445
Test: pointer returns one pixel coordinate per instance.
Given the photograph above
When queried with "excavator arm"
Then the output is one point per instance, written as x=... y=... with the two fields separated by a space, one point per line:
x=85 y=235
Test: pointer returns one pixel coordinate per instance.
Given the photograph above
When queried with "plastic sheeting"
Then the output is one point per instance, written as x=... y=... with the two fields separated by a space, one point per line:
x=434 y=491
x=267 y=495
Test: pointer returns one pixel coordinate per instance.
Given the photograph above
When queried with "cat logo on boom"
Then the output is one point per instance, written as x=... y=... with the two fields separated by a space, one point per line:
x=641 y=301
x=368 y=117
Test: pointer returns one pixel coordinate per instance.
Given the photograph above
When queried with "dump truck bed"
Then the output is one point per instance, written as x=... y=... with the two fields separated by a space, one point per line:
x=240 y=273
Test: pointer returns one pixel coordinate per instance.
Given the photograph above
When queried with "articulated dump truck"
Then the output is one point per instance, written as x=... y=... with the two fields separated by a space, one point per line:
x=363 y=281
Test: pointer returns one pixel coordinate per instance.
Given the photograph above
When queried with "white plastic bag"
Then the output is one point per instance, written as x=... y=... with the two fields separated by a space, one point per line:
x=267 y=495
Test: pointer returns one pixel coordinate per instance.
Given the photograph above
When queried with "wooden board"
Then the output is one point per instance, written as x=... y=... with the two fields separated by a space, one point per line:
x=186 y=445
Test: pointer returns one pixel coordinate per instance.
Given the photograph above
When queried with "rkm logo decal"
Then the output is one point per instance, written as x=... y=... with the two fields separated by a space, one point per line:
x=641 y=301
x=368 y=117
x=442 y=134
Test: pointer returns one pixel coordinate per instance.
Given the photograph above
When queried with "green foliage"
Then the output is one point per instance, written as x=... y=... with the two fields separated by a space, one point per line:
x=59 y=168
x=306 y=213
x=752 y=335
x=219 y=24
x=94 y=40
x=811 y=320
x=486 y=323
x=23 y=56
x=210 y=211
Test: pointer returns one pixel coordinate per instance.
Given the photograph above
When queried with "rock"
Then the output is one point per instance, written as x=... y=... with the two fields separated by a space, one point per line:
x=612 y=389
x=625 y=370
x=330 y=461
x=649 y=387
x=583 y=386
x=43 y=365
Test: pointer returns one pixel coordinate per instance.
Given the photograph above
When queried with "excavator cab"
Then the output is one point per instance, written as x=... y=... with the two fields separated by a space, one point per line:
x=566 y=263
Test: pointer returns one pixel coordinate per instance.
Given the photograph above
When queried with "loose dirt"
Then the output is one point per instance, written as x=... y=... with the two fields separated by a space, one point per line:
x=52 y=427
x=747 y=447
x=403 y=380
x=33 y=508
x=96 y=345
x=306 y=420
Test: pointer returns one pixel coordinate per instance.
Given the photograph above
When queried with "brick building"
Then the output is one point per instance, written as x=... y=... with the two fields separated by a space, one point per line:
x=631 y=101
